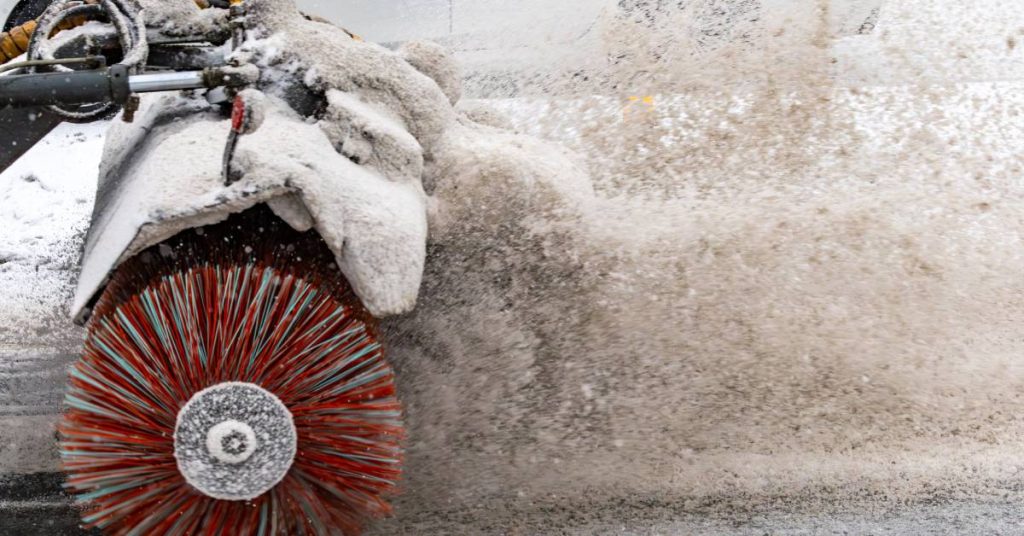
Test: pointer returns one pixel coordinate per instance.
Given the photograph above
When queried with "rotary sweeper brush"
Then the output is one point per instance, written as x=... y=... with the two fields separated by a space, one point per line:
x=240 y=251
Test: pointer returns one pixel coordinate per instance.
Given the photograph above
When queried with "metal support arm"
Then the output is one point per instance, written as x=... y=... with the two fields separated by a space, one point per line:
x=24 y=118
x=112 y=84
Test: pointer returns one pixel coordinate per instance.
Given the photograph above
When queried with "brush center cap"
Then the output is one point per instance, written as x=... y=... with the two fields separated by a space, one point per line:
x=234 y=441
x=231 y=441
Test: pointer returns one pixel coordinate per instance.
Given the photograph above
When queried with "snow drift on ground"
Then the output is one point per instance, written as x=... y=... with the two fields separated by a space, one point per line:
x=47 y=197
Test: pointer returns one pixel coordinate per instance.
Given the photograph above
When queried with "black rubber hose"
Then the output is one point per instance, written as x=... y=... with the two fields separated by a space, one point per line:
x=125 y=17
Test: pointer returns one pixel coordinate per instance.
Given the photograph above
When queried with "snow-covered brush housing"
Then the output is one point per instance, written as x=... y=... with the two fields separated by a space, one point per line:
x=347 y=142
x=356 y=173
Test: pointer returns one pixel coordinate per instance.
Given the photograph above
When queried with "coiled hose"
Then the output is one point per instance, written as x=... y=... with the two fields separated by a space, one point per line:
x=126 y=18
x=14 y=43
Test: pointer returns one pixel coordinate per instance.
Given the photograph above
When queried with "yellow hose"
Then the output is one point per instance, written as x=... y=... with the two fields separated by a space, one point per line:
x=15 y=42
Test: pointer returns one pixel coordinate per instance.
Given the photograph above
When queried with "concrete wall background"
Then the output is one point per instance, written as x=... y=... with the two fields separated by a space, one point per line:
x=516 y=22
x=535 y=46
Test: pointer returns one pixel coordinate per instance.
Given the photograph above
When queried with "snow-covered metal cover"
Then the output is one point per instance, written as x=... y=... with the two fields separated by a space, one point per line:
x=354 y=175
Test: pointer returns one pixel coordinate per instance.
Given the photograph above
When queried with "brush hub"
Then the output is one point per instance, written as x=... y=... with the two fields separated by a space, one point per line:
x=231 y=442
x=234 y=441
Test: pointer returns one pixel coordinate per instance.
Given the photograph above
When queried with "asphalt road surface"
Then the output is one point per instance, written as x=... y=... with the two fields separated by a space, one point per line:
x=33 y=505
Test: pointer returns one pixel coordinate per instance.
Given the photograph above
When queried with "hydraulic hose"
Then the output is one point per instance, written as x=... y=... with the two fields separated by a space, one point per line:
x=15 y=42
x=124 y=16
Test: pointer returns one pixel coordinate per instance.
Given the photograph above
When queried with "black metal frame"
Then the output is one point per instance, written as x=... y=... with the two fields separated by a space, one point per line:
x=21 y=128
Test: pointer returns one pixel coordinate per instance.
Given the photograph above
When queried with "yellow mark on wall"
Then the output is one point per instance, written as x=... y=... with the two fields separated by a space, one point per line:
x=646 y=103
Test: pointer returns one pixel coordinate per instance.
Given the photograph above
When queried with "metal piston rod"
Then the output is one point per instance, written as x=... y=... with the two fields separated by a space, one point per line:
x=113 y=84
x=25 y=118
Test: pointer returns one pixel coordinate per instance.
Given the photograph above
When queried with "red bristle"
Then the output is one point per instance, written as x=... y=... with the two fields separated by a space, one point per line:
x=200 y=295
